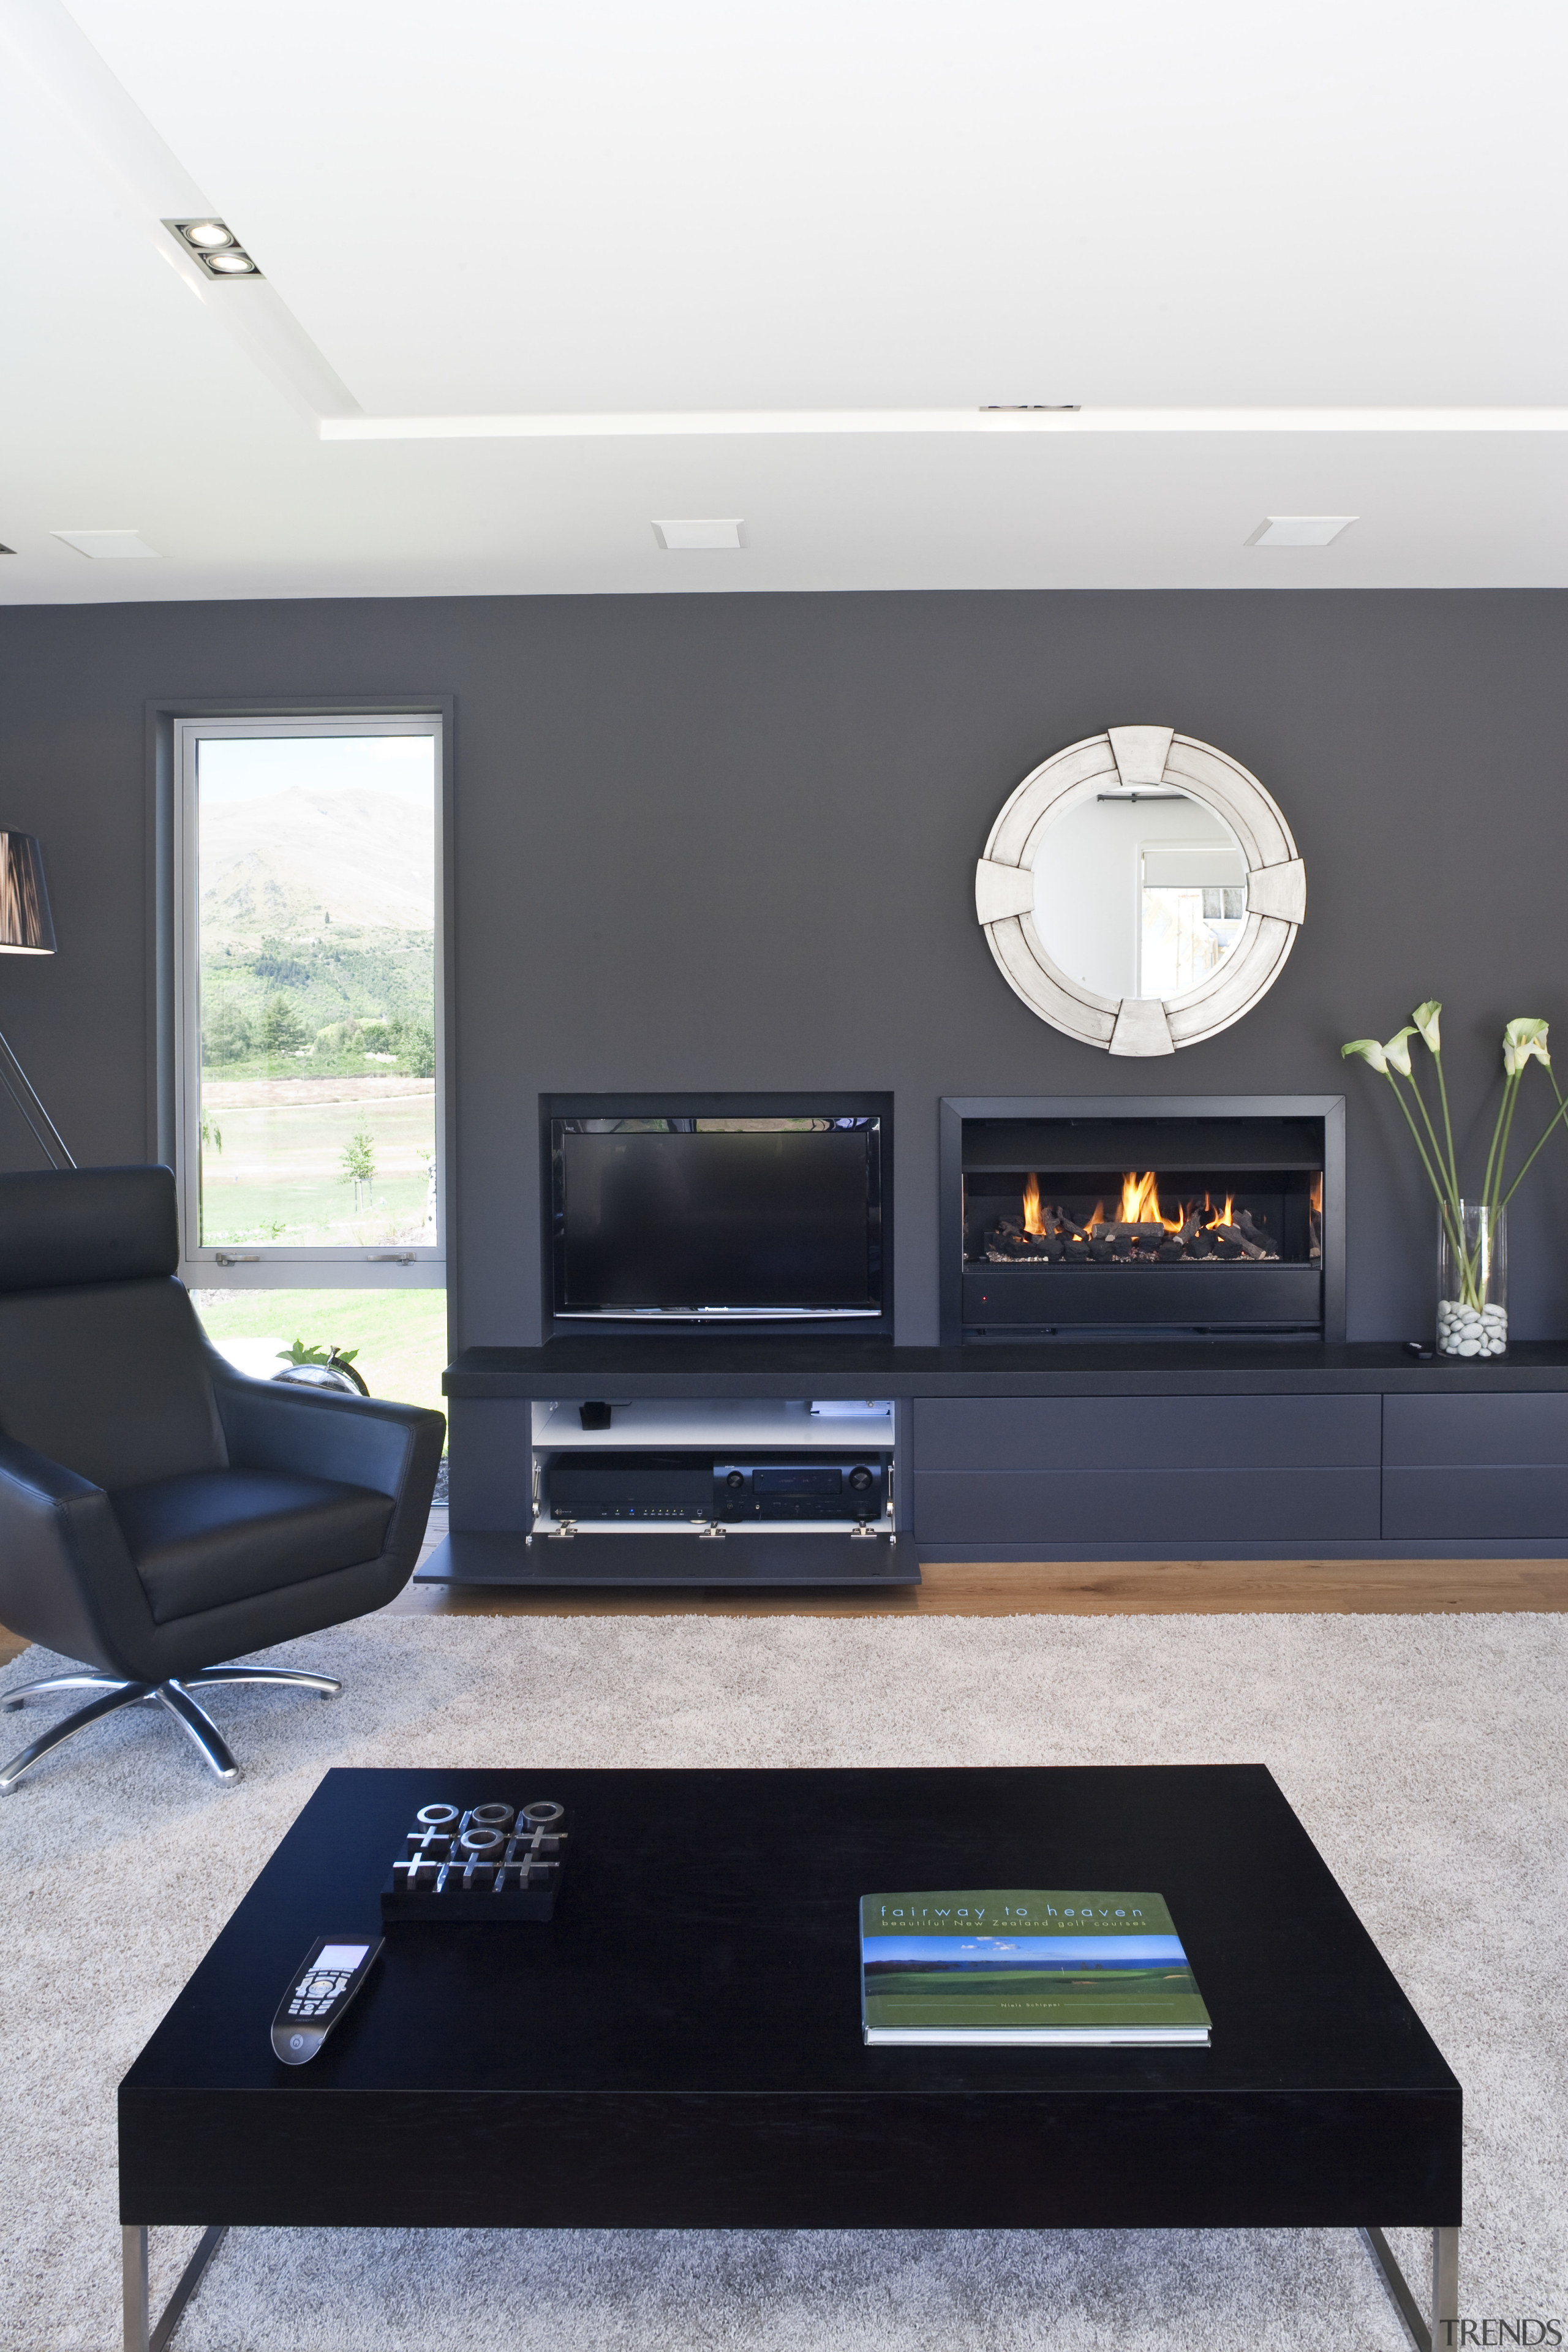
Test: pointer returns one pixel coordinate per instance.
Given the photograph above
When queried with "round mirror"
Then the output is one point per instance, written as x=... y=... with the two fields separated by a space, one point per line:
x=1140 y=890
x=1139 y=894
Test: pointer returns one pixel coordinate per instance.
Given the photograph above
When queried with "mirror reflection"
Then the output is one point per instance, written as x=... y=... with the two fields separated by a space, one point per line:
x=1139 y=893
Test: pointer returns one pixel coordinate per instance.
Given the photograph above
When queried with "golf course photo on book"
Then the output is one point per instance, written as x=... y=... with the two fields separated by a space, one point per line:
x=1025 y=1965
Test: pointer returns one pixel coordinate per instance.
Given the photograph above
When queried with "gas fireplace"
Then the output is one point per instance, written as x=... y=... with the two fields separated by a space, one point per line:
x=1163 y=1218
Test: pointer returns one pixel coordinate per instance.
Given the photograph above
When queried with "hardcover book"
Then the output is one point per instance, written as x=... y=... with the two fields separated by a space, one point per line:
x=1020 y=1966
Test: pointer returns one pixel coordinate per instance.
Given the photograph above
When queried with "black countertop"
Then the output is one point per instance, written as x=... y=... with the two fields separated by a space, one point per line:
x=703 y=1363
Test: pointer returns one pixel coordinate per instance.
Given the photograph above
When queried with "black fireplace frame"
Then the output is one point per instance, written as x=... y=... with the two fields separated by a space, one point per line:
x=955 y=1109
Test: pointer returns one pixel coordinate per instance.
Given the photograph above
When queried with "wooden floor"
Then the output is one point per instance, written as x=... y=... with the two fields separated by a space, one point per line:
x=1080 y=1589
x=1074 y=1589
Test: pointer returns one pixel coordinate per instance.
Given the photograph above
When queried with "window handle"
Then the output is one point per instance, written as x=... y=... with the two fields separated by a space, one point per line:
x=393 y=1258
x=251 y=1257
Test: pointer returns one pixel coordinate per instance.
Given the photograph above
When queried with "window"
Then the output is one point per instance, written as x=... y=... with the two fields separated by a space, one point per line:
x=1193 y=912
x=309 y=1084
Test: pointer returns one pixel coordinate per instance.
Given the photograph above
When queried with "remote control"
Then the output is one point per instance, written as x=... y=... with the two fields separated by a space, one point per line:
x=319 y=1989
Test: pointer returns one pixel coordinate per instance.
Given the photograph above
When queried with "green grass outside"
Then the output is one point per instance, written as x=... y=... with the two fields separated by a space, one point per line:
x=400 y=1335
x=277 y=1174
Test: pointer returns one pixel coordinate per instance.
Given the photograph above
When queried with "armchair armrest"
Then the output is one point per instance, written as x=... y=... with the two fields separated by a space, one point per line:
x=393 y=1449
x=66 y=1577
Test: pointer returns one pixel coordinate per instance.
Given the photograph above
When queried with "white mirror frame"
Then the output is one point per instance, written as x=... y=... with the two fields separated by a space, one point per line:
x=1128 y=758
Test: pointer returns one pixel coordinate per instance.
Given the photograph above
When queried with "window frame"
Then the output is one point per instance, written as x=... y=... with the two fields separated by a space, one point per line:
x=282 y=1265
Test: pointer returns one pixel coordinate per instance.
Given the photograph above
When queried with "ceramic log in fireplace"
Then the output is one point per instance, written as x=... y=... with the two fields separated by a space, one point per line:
x=1204 y=1218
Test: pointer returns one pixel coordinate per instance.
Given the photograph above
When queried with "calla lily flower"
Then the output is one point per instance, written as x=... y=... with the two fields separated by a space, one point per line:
x=1426 y=1019
x=1370 y=1051
x=1396 y=1053
x=1524 y=1041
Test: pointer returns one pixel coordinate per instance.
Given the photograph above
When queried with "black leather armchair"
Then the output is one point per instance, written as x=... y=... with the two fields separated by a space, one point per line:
x=160 y=1513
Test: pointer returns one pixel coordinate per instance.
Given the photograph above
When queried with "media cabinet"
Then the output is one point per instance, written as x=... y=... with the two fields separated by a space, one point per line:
x=1035 y=1451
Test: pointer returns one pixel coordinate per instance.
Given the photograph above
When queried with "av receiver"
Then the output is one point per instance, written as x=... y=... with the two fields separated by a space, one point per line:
x=694 y=1485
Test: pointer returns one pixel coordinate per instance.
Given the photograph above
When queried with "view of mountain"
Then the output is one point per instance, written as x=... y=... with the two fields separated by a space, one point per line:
x=299 y=863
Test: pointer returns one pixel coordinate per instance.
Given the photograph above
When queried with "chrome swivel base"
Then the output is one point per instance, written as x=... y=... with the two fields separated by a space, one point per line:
x=115 y=1692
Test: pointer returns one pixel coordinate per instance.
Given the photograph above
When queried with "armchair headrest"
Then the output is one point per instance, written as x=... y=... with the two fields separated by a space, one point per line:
x=67 y=1226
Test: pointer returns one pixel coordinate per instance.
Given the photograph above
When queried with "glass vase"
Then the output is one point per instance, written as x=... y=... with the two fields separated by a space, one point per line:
x=1472 y=1282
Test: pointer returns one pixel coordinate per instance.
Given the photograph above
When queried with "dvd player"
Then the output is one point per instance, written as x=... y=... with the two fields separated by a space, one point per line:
x=687 y=1486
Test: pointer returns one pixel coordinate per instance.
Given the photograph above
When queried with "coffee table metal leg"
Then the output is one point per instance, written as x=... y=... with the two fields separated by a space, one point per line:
x=143 y=2334
x=1445 y=2286
x=1437 y=2335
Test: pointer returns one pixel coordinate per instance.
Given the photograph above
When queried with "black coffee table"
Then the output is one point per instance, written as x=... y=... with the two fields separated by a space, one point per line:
x=679 y=2048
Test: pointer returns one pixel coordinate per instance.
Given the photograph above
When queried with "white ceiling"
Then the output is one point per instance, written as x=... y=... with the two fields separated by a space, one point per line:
x=721 y=260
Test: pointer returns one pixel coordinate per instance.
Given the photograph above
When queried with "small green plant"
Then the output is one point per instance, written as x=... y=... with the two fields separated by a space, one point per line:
x=300 y=1354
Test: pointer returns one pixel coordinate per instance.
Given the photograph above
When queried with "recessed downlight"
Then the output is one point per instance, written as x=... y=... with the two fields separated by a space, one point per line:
x=711 y=530
x=110 y=545
x=1299 y=530
x=214 y=247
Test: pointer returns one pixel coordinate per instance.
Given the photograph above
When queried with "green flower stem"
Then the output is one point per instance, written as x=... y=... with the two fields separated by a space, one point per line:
x=1450 y=1212
x=1437 y=1147
x=1557 y=1118
x=1507 y=1135
x=1492 y=1153
x=1447 y=1127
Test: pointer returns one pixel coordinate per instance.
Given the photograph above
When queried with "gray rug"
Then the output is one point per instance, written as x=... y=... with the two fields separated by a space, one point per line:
x=1426 y=1757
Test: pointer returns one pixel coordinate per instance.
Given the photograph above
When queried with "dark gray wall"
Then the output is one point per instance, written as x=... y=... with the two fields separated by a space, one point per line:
x=727 y=842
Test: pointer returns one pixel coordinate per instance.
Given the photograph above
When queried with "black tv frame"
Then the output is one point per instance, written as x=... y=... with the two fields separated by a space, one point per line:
x=828 y=1103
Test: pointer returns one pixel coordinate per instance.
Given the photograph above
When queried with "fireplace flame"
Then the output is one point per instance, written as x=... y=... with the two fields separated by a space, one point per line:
x=1317 y=1193
x=1033 y=1221
x=1140 y=1199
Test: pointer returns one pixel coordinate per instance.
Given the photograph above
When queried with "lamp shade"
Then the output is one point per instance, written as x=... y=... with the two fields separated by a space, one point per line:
x=25 y=926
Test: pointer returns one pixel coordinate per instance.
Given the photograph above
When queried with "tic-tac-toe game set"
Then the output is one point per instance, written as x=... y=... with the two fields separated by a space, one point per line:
x=493 y=1861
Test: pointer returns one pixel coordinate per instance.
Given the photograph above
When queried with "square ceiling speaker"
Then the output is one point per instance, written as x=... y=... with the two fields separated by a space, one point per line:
x=1299 y=530
x=719 y=530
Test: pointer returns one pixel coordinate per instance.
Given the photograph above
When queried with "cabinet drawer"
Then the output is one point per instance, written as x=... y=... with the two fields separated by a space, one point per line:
x=1496 y=1432
x=1135 y=1435
x=1147 y=1506
x=1464 y=1506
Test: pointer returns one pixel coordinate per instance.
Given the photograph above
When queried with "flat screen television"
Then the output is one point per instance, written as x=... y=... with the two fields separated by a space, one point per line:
x=728 y=1220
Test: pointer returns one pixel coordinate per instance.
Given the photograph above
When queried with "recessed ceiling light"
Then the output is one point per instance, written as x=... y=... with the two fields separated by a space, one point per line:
x=1032 y=408
x=107 y=543
x=1299 y=530
x=214 y=244
x=721 y=530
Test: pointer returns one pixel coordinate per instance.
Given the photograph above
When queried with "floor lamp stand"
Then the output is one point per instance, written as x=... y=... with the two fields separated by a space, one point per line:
x=22 y=1100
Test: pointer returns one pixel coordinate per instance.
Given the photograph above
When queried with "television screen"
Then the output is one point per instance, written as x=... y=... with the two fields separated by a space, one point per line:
x=744 y=1217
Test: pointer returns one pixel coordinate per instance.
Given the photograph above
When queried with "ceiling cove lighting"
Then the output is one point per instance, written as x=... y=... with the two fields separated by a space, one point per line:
x=1299 y=530
x=721 y=530
x=214 y=244
x=109 y=544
